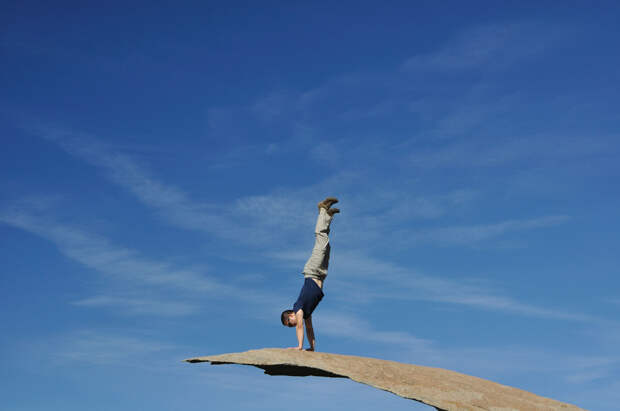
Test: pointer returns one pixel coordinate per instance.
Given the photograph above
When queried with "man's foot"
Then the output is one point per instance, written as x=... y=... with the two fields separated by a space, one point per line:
x=333 y=211
x=327 y=203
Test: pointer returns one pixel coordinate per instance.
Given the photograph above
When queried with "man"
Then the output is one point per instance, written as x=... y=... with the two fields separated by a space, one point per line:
x=314 y=272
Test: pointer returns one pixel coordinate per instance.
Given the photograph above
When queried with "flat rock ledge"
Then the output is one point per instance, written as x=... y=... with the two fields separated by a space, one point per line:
x=439 y=388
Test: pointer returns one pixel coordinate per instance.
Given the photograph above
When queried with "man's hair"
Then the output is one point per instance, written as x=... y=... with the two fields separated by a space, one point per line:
x=284 y=316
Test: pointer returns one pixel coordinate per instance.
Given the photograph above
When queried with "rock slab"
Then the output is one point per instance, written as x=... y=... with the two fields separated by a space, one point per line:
x=439 y=388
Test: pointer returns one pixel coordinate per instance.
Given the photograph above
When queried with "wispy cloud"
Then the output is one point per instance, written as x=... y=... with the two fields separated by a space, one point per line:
x=473 y=234
x=505 y=152
x=143 y=279
x=254 y=219
x=493 y=46
x=588 y=375
x=499 y=362
x=249 y=220
x=351 y=327
x=109 y=349
x=150 y=286
x=114 y=349
x=496 y=303
x=139 y=306
x=388 y=281
x=173 y=203
x=98 y=253
x=279 y=212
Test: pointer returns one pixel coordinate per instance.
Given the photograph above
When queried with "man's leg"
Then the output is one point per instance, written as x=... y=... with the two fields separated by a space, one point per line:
x=317 y=264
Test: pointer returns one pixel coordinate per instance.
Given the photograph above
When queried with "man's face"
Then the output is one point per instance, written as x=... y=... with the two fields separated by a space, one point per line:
x=292 y=320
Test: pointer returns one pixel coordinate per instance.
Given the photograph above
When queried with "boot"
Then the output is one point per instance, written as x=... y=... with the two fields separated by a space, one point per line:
x=333 y=211
x=327 y=203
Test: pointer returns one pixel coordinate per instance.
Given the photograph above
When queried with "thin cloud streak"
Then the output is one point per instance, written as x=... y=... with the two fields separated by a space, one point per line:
x=113 y=348
x=139 y=306
x=249 y=220
x=492 y=46
x=506 y=152
x=349 y=326
x=134 y=271
x=105 y=349
x=124 y=171
x=152 y=193
x=97 y=253
x=468 y=235
x=498 y=362
x=399 y=283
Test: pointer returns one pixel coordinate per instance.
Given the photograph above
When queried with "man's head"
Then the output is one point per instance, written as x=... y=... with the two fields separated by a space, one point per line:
x=288 y=318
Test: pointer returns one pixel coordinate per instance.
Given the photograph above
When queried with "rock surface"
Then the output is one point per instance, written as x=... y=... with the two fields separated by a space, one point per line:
x=439 y=388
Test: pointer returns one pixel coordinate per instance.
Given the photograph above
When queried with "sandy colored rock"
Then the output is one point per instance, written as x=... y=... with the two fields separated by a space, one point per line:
x=439 y=388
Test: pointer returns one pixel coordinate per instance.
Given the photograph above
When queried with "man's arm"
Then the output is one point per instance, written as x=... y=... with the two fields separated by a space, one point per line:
x=300 y=329
x=310 y=332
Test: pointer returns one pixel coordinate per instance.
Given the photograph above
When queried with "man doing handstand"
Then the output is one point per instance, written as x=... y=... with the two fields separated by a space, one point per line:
x=314 y=272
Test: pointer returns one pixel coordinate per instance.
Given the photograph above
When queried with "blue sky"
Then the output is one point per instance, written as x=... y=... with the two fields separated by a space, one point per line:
x=161 y=166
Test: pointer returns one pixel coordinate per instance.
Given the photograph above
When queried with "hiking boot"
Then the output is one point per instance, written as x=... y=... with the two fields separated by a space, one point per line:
x=333 y=211
x=328 y=202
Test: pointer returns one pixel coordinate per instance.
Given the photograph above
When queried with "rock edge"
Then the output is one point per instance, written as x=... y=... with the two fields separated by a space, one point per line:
x=439 y=388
